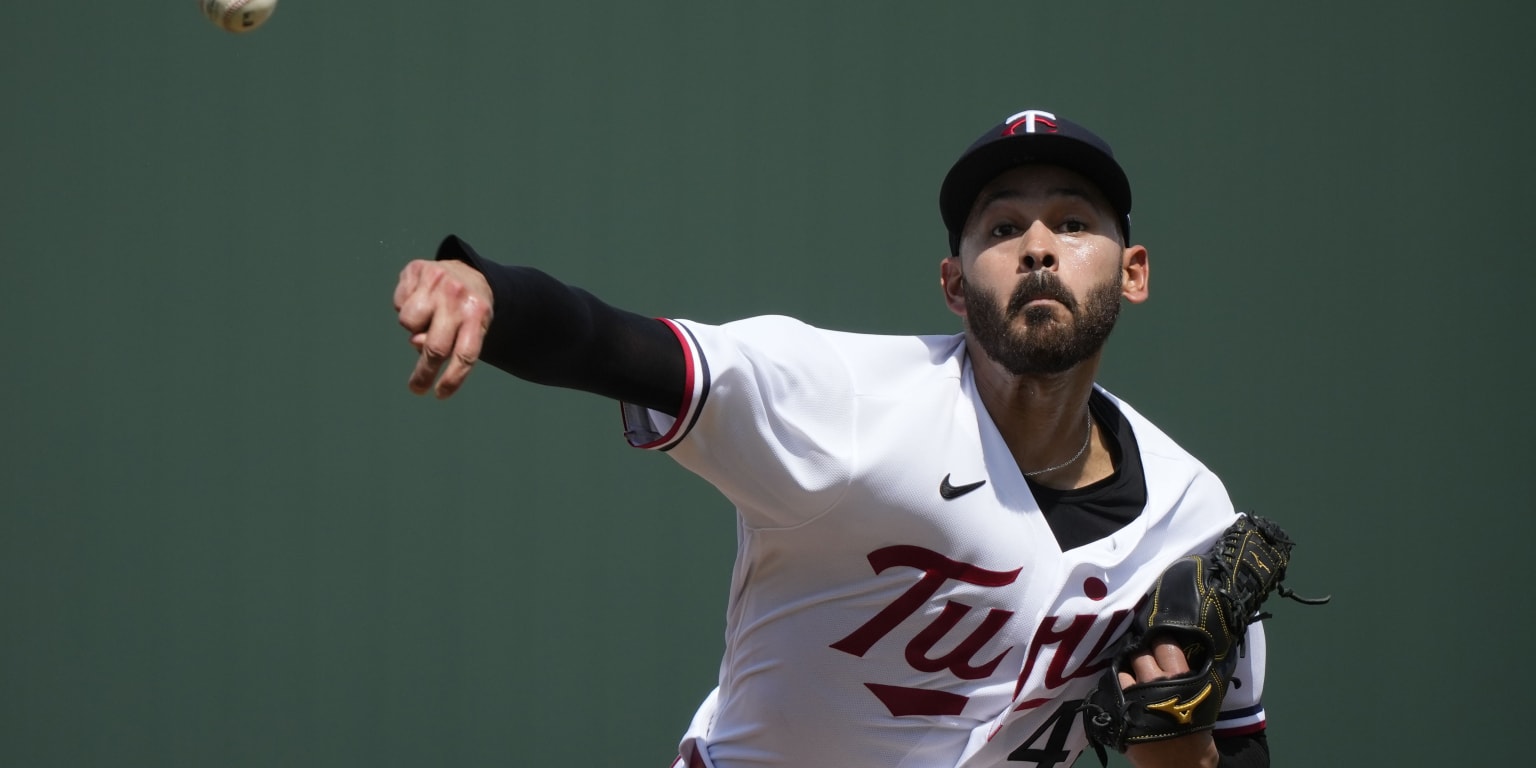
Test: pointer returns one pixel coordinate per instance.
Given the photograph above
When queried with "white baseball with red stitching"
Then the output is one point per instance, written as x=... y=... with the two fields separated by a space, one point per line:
x=237 y=15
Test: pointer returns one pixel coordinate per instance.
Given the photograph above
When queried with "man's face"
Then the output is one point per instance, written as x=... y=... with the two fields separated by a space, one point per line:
x=1041 y=270
x=1046 y=343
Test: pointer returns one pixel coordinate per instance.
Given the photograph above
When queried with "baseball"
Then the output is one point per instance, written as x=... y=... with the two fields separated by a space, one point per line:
x=237 y=15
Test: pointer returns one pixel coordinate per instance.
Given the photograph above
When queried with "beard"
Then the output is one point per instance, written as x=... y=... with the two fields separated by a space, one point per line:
x=1046 y=345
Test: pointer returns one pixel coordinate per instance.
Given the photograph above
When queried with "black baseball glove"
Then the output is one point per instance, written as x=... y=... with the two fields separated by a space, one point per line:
x=1205 y=604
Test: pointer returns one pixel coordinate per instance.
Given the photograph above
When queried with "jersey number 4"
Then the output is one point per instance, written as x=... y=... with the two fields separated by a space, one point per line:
x=1055 y=731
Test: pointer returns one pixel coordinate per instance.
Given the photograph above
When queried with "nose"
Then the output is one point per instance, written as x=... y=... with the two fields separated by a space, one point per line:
x=1037 y=248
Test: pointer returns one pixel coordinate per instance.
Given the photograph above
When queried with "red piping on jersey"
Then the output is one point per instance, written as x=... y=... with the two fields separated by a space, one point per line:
x=1241 y=730
x=690 y=376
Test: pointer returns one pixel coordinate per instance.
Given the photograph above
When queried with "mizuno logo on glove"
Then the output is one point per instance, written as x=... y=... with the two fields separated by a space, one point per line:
x=1182 y=711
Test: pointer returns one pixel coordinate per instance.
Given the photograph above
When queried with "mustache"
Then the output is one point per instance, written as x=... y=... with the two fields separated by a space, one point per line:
x=1040 y=285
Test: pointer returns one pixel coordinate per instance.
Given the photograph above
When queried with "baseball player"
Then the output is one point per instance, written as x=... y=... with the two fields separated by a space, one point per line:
x=940 y=538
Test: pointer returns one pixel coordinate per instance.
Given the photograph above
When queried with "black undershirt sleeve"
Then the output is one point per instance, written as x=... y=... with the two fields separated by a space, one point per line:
x=547 y=332
x=1250 y=750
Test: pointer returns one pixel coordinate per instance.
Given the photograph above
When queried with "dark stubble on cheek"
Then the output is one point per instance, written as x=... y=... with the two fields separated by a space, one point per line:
x=1046 y=345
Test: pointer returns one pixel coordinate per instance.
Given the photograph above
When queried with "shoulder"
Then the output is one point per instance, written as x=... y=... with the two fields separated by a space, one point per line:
x=1177 y=481
x=1149 y=436
x=890 y=365
x=1153 y=443
x=874 y=361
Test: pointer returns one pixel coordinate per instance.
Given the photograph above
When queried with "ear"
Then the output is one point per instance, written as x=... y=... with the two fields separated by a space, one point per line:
x=1135 y=273
x=952 y=281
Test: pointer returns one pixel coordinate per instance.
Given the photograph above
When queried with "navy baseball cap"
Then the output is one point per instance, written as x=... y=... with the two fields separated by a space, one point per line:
x=1031 y=136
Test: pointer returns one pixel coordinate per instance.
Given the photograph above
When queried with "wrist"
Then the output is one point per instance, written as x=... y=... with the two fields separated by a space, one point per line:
x=1197 y=750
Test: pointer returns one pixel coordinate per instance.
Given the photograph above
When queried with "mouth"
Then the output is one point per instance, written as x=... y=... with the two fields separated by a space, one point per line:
x=1039 y=298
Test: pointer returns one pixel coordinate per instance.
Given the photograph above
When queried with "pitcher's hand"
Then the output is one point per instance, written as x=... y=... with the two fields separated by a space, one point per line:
x=446 y=306
x=1196 y=750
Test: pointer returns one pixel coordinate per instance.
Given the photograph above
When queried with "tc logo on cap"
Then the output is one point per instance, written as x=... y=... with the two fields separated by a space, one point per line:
x=1032 y=121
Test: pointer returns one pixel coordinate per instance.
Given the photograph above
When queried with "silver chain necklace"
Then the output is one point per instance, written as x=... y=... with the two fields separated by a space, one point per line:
x=1088 y=438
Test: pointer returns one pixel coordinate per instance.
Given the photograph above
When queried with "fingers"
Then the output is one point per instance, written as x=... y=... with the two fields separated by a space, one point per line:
x=447 y=308
x=430 y=361
x=1145 y=667
x=1165 y=659
x=466 y=348
x=415 y=298
x=406 y=285
x=1171 y=660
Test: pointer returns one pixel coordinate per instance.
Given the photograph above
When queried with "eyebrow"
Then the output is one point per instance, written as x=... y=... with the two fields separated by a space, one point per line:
x=1010 y=193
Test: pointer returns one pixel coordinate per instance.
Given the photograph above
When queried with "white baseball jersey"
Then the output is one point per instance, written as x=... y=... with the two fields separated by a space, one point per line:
x=871 y=620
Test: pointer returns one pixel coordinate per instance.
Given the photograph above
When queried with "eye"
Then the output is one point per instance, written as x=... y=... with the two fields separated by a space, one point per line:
x=1004 y=231
x=1074 y=226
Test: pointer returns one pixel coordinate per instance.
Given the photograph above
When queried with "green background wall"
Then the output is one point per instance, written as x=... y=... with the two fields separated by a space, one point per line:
x=229 y=536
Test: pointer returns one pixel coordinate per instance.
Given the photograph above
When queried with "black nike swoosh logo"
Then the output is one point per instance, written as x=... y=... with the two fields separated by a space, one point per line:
x=956 y=491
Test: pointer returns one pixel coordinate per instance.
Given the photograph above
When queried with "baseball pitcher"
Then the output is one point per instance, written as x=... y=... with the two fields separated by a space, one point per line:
x=952 y=550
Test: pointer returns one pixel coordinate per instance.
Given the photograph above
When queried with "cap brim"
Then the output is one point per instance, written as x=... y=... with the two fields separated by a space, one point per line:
x=978 y=168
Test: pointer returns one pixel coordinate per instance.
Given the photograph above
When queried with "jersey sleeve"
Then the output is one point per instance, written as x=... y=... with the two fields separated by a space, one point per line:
x=1242 y=711
x=767 y=417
